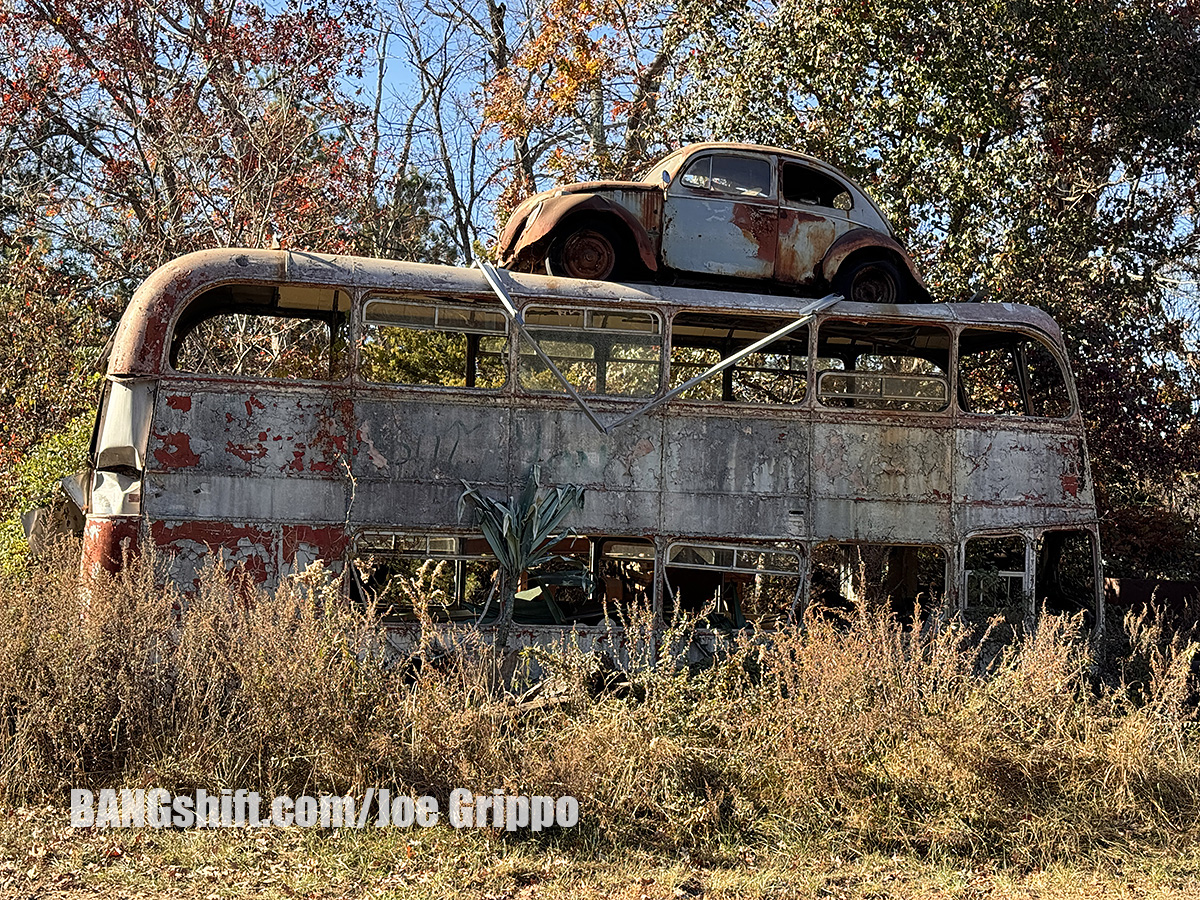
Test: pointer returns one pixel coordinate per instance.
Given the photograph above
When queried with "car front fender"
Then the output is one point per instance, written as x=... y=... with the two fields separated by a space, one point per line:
x=555 y=210
x=866 y=239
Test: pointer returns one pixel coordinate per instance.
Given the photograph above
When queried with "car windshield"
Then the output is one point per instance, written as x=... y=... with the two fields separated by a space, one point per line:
x=661 y=171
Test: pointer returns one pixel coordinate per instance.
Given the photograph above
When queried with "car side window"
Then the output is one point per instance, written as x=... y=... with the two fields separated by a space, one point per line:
x=800 y=184
x=740 y=175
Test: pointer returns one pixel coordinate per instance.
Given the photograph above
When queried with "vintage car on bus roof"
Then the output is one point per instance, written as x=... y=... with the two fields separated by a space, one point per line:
x=718 y=212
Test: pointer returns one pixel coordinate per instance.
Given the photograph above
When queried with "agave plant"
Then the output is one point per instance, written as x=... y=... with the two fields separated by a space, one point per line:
x=522 y=533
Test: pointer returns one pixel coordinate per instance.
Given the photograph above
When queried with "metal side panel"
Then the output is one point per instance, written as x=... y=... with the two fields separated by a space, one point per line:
x=413 y=456
x=621 y=471
x=729 y=476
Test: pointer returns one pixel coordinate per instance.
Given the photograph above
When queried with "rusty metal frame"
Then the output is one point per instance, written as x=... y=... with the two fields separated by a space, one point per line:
x=493 y=279
x=732 y=360
x=697 y=471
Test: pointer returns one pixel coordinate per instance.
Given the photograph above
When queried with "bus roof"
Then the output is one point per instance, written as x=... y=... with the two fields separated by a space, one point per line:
x=139 y=345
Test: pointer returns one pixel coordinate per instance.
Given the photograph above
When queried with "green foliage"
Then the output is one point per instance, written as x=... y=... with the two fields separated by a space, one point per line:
x=397 y=355
x=522 y=533
x=51 y=334
x=33 y=482
x=1040 y=151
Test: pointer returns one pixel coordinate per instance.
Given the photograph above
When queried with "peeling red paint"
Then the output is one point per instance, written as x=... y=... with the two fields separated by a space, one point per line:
x=249 y=547
x=253 y=403
x=108 y=542
x=176 y=452
x=326 y=541
x=246 y=452
x=181 y=403
x=1070 y=483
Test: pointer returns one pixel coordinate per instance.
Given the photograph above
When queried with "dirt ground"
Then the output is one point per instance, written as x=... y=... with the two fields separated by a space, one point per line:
x=42 y=857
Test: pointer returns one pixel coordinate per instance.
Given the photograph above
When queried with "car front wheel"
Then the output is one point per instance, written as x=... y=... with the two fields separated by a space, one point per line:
x=586 y=252
x=870 y=281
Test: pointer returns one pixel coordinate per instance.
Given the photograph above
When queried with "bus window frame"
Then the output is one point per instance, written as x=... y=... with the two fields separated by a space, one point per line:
x=946 y=411
x=586 y=308
x=332 y=318
x=360 y=323
x=1048 y=344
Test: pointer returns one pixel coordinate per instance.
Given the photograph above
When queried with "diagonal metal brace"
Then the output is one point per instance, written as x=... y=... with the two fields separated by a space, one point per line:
x=731 y=360
x=493 y=279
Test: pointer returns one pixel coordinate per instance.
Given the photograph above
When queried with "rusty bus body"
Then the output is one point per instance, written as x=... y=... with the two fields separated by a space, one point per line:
x=278 y=407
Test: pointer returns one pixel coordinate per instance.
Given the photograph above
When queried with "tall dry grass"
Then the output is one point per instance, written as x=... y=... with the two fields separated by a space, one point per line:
x=864 y=735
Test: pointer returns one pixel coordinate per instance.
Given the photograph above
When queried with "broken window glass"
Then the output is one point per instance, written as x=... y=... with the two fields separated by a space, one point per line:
x=733 y=586
x=800 y=184
x=448 y=345
x=847 y=578
x=884 y=366
x=778 y=374
x=603 y=352
x=995 y=578
x=1066 y=574
x=1009 y=373
x=263 y=331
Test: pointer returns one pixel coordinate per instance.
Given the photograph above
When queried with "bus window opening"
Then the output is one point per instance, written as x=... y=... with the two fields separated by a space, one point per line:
x=445 y=345
x=262 y=331
x=734 y=586
x=1007 y=373
x=1066 y=575
x=854 y=578
x=883 y=366
x=778 y=374
x=600 y=352
x=995 y=579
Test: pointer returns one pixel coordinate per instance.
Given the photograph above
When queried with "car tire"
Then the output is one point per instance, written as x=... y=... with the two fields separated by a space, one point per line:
x=870 y=281
x=589 y=251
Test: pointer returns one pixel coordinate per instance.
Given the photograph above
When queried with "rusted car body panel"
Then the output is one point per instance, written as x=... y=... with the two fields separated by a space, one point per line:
x=273 y=473
x=637 y=206
x=864 y=239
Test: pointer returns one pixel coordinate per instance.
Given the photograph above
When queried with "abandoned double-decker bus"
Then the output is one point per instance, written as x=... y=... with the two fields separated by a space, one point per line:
x=744 y=456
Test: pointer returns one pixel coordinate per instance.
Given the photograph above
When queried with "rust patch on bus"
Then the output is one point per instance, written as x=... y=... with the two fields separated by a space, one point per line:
x=108 y=542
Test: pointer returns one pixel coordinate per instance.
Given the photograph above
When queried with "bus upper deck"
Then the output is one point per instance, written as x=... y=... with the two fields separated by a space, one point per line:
x=280 y=407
